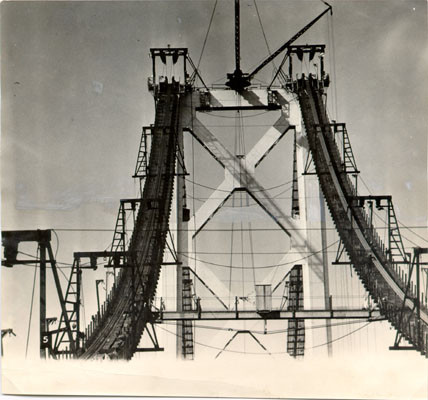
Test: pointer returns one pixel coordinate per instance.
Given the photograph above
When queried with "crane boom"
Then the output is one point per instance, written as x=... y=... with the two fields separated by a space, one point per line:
x=289 y=42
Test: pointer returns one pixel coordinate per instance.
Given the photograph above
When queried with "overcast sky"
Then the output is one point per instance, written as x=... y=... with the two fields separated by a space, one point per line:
x=74 y=98
x=74 y=90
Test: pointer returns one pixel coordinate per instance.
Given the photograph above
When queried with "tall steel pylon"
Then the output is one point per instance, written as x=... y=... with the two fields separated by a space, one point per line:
x=240 y=177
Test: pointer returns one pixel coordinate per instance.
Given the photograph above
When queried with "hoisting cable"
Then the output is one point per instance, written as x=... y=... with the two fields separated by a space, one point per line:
x=57 y=243
x=264 y=36
x=341 y=337
x=279 y=71
x=206 y=36
x=36 y=259
x=288 y=43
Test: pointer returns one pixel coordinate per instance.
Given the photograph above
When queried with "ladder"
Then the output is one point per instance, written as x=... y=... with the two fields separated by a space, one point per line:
x=296 y=327
x=348 y=160
x=187 y=327
x=141 y=167
x=395 y=242
x=72 y=306
x=295 y=210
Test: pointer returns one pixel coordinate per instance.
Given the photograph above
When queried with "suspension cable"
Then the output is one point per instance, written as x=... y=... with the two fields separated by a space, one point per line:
x=279 y=352
x=228 y=191
x=263 y=266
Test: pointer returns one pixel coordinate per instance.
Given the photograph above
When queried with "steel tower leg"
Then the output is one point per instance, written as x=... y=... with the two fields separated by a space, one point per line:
x=309 y=220
x=42 y=298
x=180 y=247
x=302 y=243
x=184 y=338
x=325 y=273
x=302 y=229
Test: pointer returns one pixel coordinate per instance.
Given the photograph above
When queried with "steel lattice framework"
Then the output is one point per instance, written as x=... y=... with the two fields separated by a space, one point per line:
x=129 y=310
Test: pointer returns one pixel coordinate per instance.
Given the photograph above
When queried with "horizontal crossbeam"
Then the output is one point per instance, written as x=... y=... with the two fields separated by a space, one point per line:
x=168 y=51
x=99 y=254
x=148 y=349
x=402 y=348
x=270 y=106
x=7 y=263
x=272 y=315
x=38 y=235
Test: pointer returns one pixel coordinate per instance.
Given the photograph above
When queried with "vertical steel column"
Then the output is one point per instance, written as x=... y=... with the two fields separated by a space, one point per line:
x=61 y=299
x=97 y=282
x=389 y=233
x=295 y=208
x=42 y=247
x=237 y=38
x=418 y=304
x=77 y=304
x=154 y=70
x=181 y=241
x=325 y=270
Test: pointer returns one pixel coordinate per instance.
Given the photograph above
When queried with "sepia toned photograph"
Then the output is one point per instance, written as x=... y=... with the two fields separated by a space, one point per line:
x=214 y=198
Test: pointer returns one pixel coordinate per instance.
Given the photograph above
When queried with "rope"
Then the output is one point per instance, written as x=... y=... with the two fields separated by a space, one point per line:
x=57 y=242
x=263 y=32
x=206 y=36
x=341 y=337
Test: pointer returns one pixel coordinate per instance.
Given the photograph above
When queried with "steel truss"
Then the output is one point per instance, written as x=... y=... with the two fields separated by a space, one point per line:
x=374 y=264
x=129 y=310
x=10 y=242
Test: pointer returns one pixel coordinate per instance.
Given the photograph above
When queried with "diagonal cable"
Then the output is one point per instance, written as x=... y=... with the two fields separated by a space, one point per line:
x=206 y=36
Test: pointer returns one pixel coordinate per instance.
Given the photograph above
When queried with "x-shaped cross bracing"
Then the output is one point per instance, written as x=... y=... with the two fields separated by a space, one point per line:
x=239 y=176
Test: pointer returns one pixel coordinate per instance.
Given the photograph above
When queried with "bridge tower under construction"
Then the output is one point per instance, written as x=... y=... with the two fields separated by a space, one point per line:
x=214 y=243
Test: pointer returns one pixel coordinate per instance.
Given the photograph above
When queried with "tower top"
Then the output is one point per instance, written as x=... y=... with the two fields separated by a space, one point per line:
x=239 y=80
